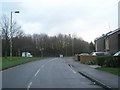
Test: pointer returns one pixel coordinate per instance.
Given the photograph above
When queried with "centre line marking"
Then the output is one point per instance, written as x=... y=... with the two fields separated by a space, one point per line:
x=37 y=72
x=43 y=67
x=29 y=85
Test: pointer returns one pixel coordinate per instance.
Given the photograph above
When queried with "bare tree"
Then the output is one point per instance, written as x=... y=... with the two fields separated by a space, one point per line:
x=5 y=28
x=4 y=24
x=16 y=30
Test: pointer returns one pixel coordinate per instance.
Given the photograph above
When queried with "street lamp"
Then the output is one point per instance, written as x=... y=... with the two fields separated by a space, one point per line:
x=11 y=33
x=72 y=45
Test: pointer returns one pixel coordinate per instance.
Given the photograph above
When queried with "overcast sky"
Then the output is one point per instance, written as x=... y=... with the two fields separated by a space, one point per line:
x=87 y=19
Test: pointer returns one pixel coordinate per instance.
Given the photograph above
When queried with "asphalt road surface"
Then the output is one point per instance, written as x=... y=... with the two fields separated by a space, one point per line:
x=47 y=73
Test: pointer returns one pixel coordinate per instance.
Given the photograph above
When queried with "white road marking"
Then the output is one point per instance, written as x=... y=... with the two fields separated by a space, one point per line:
x=37 y=72
x=71 y=69
x=49 y=61
x=29 y=85
x=43 y=67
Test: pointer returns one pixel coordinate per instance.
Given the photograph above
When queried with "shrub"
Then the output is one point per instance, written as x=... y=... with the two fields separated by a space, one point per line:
x=90 y=62
x=108 y=61
x=100 y=60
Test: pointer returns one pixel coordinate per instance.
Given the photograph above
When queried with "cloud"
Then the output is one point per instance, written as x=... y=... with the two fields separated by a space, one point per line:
x=87 y=18
x=31 y=28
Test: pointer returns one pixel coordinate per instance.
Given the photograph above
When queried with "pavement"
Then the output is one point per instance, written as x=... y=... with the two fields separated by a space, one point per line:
x=105 y=79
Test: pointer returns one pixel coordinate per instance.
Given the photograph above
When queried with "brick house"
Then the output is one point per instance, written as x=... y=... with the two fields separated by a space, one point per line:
x=108 y=42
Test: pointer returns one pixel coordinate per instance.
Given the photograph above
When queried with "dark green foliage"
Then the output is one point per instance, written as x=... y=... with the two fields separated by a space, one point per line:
x=108 y=61
x=100 y=60
x=90 y=62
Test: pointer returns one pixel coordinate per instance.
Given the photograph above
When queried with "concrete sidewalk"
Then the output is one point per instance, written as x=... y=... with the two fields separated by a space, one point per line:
x=105 y=79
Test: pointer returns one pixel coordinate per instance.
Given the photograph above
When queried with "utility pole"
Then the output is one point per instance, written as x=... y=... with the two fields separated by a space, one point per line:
x=72 y=45
x=11 y=35
x=11 y=32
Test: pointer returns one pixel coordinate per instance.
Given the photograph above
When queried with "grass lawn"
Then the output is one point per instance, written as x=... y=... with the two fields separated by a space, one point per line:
x=10 y=62
x=115 y=71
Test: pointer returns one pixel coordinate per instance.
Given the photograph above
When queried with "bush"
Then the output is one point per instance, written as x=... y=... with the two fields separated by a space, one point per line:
x=100 y=60
x=90 y=62
x=108 y=61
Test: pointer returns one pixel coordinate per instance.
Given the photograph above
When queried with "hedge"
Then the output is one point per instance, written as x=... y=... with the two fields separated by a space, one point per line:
x=108 y=61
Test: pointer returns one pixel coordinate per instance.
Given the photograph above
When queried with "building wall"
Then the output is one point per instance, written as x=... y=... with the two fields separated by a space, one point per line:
x=109 y=42
x=107 y=46
x=100 y=44
x=113 y=43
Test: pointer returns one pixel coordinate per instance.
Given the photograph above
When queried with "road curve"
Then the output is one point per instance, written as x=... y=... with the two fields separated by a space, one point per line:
x=47 y=73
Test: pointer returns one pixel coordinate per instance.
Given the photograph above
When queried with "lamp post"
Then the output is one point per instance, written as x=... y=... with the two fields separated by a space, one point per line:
x=11 y=33
x=72 y=45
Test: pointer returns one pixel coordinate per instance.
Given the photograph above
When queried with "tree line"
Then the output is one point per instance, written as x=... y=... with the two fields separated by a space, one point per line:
x=40 y=45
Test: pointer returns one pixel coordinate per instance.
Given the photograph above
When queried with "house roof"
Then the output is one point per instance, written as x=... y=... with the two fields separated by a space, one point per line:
x=108 y=34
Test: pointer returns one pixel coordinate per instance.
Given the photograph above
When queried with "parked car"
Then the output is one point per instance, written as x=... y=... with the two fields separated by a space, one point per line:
x=117 y=54
x=84 y=54
x=100 y=53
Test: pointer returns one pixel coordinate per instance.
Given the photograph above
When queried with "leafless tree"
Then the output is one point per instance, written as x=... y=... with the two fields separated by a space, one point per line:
x=5 y=29
x=4 y=24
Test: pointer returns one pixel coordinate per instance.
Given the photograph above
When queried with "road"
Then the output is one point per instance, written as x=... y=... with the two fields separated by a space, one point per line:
x=47 y=73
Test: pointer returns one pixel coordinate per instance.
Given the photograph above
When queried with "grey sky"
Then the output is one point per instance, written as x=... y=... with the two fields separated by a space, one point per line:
x=87 y=18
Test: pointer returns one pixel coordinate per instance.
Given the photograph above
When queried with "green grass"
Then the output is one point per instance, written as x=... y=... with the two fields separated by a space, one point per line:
x=115 y=71
x=9 y=62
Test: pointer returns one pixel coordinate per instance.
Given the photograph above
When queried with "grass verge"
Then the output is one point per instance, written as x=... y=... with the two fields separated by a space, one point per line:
x=115 y=71
x=14 y=61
